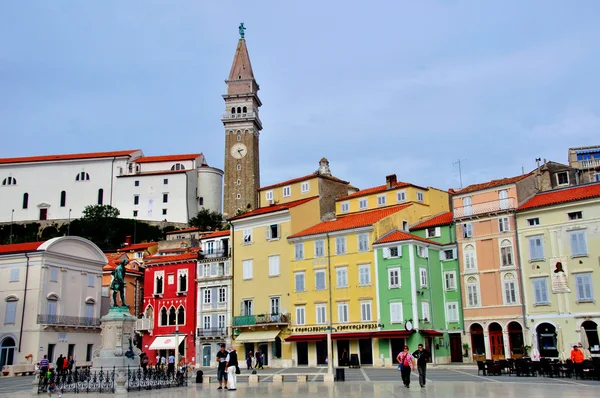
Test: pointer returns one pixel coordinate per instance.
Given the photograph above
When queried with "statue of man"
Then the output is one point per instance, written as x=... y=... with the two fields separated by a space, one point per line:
x=118 y=283
x=242 y=29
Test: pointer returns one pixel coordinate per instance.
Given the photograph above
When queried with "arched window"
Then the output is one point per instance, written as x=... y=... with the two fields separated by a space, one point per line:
x=100 y=196
x=233 y=111
x=244 y=110
x=201 y=201
x=239 y=110
x=25 y=200
x=239 y=167
x=163 y=317
x=9 y=181
x=8 y=347
x=591 y=331
x=149 y=312
x=63 y=198
x=177 y=166
x=183 y=282
x=239 y=137
x=83 y=176
x=510 y=288
x=51 y=308
x=181 y=316
x=239 y=182
x=172 y=316
x=473 y=292
x=470 y=259
x=546 y=334
x=506 y=253
x=159 y=285
x=477 y=339
x=10 y=316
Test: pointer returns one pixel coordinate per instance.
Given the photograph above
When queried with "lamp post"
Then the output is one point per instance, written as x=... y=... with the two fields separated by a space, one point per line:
x=12 y=217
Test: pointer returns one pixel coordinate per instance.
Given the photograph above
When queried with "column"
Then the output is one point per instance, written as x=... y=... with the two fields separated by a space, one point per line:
x=486 y=341
x=506 y=338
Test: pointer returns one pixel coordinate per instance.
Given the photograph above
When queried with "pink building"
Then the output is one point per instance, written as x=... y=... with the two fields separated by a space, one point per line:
x=490 y=278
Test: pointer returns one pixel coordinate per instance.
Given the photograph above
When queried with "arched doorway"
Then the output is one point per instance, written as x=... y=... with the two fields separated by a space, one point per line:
x=7 y=351
x=546 y=337
x=515 y=339
x=496 y=341
x=591 y=331
x=477 y=341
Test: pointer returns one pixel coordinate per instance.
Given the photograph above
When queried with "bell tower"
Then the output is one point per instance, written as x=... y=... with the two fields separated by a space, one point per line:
x=242 y=131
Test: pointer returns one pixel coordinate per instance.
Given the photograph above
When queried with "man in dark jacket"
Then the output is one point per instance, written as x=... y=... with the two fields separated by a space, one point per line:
x=59 y=365
x=422 y=356
x=231 y=365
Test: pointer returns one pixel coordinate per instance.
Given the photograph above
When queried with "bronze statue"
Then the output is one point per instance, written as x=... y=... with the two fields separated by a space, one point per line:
x=118 y=283
x=241 y=28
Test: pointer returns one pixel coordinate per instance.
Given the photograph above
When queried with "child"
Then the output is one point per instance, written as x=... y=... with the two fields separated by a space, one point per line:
x=53 y=388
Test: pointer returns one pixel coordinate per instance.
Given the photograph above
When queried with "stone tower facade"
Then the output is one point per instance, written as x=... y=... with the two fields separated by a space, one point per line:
x=242 y=131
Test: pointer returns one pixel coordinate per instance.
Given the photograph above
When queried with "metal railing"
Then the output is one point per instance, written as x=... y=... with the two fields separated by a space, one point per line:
x=239 y=115
x=485 y=207
x=78 y=381
x=249 y=320
x=144 y=324
x=63 y=320
x=215 y=254
x=212 y=332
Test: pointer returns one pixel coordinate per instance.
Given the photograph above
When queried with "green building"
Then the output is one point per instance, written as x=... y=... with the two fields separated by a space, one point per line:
x=419 y=300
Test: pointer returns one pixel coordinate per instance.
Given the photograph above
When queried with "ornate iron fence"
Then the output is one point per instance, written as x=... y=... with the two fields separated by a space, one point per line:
x=79 y=381
x=151 y=378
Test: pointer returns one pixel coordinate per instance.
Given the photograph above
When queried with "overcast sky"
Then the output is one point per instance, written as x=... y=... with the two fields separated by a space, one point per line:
x=404 y=87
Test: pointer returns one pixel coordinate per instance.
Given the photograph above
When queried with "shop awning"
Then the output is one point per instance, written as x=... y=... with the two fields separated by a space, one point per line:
x=584 y=151
x=351 y=336
x=430 y=333
x=306 y=337
x=257 y=337
x=393 y=334
x=166 y=342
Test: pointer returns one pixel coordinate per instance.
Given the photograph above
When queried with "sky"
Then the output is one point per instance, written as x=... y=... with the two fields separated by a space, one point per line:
x=381 y=87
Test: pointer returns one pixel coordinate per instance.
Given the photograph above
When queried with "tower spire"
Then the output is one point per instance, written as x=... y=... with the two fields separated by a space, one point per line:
x=241 y=68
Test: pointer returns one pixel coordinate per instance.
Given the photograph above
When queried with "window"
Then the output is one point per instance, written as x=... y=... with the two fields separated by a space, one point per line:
x=89 y=310
x=405 y=225
x=269 y=196
x=222 y=294
x=510 y=289
x=401 y=196
x=221 y=321
x=342 y=312
x=136 y=183
x=158 y=283
x=166 y=181
x=467 y=230
x=287 y=191
x=164 y=318
x=363 y=204
x=299 y=281
x=425 y=311
x=450 y=280
x=434 y=232
x=206 y=271
x=170 y=279
x=320 y=280
x=25 y=200
x=506 y=253
x=536 y=248
x=164 y=212
x=14 y=275
x=300 y=315
x=449 y=254
x=345 y=207
x=207 y=297
x=206 y=322
x=238 y=182
x=273 y=232
x=274 y=265
x=53 y=275
x=583 y=284
x=136 y=200
x=578 y=243
x=576 y=215
x=470 y=259
x=503 y=198
x=503 y=225
x=533 y=221
x=83 y=176
x=210 y=247
x=63 y=198
x=422 y=252
x=472 y=292
x=10 y=316
x=540 y=291
x=100 y=196
x=340 y=245
x=9 y=181
x=247 y=307
x=363 y=242
x=597 y=177
x=247 y=269
x=562 y=178
x=51 y=307
x=165 y=198
x=305 y=187
x=238 y=196
x=381 y=200
x=341 y=276
x=182 y=286
x=247 y=236
x=177 y=166
x=274 y=305
x=135 y=213
x=365 y=311
x=321 y=314
x=396 y=313
x=299 y=251
x=423 y=276
x=364 y=275
x=394 y=251
x=420 y=196
x=319 y=248
x=238 y=167
x=393 y=278
x=88 y=352
x=452 y=312
x=91 y=279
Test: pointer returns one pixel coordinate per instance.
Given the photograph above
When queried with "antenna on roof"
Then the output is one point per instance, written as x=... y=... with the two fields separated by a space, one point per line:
x=458 y=162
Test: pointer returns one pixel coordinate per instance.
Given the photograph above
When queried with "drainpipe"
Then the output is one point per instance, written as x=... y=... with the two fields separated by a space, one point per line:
x=431 y=308
x=330 y=325
x=520 y=273
x=24 y=301
x=231 y=268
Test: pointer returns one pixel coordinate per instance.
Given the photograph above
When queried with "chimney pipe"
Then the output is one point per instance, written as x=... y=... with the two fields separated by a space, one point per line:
x=390 y=181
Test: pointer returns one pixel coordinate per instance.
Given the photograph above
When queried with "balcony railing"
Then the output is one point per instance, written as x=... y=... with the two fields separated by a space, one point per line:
x=590 y=163
x=215 y=254
x=62 y=320
x=144 y=324
x=485 y=207
x=212 y=332
x=239 y=115
x=264 y=319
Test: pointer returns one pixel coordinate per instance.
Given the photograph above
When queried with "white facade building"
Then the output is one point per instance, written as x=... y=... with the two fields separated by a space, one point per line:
x=150 y=188
x=50 y=300
x=214 y=308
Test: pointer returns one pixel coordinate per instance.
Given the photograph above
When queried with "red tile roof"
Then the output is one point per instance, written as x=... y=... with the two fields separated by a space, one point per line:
x=274 y=208
x=154 y=173
x=73 y=156
x=492 y=184
x=181 y=231
x=137 y=247
x=351 y=221
x=20 y=247
x=299 y=179
x=168 y=158
x=435 y=221
x=169 y=259
x=370 y=191
x=398 y=236
x=217 y=234
x=565 y=195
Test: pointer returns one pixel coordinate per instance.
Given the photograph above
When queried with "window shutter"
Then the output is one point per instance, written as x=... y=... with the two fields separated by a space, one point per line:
x=438 y=231
x=581 y=243
x=587 y=287
x=278 y=231
x=399 y=251
x=442 y=254
x=11 y=312
x=575 y=249
x=213 y=269
x=386 y=252
x=426 y=252
x=454 y=254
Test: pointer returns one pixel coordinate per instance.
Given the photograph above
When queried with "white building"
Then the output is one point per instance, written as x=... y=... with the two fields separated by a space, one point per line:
x=214 y=309
x=151 y=188
x=50 y=300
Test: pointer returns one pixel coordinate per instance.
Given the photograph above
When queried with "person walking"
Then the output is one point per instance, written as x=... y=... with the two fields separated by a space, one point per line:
x=59 y=365
x=249 y=360
x=406 y=361
x=423 y=356
x=259 y=360
x=232 y=367
x=44 y=365
x=221 y=367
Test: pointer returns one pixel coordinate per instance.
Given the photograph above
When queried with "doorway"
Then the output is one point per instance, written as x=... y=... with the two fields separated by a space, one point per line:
x=477 y=340
x=456 y=354
x=43 y=214
x=302 y=353
x=365 y=348
x=206 y=354
x=397 y=347
x=496 y=341
x=321 y=352
x=341 y=346
x=7 y=352
x=515 y=340
x=264 y=350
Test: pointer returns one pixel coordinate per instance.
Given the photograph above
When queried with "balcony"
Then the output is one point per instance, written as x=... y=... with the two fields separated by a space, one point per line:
x=144 y=324
x=494 y=206
x=264 y=319
x=590 y=163
x=215 y=254
x=232 y=116
x=211 y=332
x=67 y=321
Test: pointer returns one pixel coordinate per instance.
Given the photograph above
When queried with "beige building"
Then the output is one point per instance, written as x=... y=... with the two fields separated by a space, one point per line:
x=587 y=160
x=50 y=300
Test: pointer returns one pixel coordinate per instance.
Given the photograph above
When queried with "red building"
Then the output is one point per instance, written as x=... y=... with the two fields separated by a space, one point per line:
x=169 y=303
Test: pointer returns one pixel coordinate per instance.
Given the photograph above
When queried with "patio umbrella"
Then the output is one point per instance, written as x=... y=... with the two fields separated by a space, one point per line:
x=561 y=347
x=585 y=344
x=535 y=353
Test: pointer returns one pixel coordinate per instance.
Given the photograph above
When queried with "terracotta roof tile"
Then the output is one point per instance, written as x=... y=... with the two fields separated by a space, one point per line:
x=274 y=208
x=304 y=178
x=20 y=247
x=351 y=221
x=370 y=191
x=491 y=184
x=73 y=156
x=169 y=259
x=181 y=231
x=565 y=195
x=168 y=158
x=217 y=234
x=137 y=246
x=154 y=173
x=398 y=236
x=435 y=221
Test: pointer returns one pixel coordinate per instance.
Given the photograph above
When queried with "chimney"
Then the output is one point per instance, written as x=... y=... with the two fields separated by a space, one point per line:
x=128 y=240
x=390 y=181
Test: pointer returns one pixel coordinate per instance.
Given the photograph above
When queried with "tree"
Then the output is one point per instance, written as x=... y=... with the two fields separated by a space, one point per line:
x=97 y=212
x=207 y=220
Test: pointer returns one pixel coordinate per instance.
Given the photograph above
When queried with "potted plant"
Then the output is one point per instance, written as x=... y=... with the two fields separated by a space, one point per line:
x=466 y=347
x=526 y=349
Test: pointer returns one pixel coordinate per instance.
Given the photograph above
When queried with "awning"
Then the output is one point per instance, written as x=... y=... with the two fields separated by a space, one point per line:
x=584 y=151
x=431 y=333
x=166 y=342
x=393 y=334
x=257 y=337
x=351 y=336
x=306 y=337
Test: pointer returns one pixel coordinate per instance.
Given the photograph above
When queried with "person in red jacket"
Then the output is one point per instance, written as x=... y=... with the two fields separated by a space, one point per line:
x=577 y=358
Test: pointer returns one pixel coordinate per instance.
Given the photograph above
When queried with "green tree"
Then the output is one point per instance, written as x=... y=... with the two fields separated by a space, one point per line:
x=207 y=220
x=97 y=212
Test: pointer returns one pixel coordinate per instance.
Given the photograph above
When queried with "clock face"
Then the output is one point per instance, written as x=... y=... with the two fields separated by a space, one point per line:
x=239 y=150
